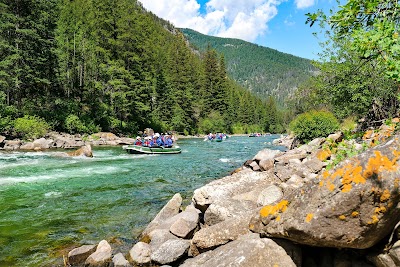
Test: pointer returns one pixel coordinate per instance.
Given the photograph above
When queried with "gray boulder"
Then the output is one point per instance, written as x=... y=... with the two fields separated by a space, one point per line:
x=248 y=250
x=79 y=255
x=355 y=205
x=185 y=225
x=159 y=237
x=266 y=154
x=101 y=257
x=140 y=253
x=219 y=234
x=170 y=251
x=171 y=209
x=83 y=151
x=269 y=195
x=227 y=209
x=120 y=261
x=229 y=186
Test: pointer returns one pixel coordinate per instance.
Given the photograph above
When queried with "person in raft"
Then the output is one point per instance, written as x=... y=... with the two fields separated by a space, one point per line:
x=138 y=141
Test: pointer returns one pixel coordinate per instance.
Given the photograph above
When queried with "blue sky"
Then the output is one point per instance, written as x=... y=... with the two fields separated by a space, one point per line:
x=278 y=24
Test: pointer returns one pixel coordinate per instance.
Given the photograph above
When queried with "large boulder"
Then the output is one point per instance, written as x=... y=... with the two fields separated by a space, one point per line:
x=227 y=209
x=101 y=257
x=171 y=209
x=229 y=186
x=140 y=253
x=248 y=250
x=79 y=255
x=170 y=251
x=355 y=205
x=83 y=151
x=219 y=234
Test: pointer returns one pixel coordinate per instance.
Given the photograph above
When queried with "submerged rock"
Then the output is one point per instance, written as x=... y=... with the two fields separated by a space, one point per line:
x=101 y=257
x=83 y=151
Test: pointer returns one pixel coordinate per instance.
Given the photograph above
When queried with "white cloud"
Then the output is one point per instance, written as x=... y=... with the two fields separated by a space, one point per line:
x=304 y=3
x=243 y=19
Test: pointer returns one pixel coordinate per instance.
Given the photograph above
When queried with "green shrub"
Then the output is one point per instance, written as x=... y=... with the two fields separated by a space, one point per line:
x=313 y=124
x=74 y=125
x=31 y=127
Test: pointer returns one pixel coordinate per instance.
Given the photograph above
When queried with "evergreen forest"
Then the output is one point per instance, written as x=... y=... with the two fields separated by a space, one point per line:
x=264 y=71
x=83 y=66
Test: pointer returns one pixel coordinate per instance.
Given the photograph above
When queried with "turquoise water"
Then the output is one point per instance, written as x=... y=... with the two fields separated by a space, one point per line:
x=49 y=204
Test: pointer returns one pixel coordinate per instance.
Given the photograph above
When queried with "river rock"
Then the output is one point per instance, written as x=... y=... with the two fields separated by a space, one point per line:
x=120 y=261
x=140 y=253
x=83 y=151
x=170 y=251
x=227 y=209
x=266 y=154
x=248 y=250
x=186 y=224
x=79 y=255
x=219 y=234
x=43 y=143
x=354 y=205
x=12 y=144
x=229 y=186
x=171 y=209
x=394 y=253
x=269 y=195
x=101 y=257
x=27 y=146
x=2 y=138
x=159 y=237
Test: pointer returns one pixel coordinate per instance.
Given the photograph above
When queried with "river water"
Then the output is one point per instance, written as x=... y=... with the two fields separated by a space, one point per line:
x=49 y=204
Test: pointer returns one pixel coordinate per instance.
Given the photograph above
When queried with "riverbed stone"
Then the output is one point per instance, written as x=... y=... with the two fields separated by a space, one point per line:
x=354 y=205
x=170 y=251
x=269 y=195
x=229 y=186
x=120 y=261
x=266 y=154
x=170 y=209
x=101 y=257
x=248 y=250
x=227 y=209
x=12 y=144
x=140 y=253
x=83 y=151
x=43 y=143
x=159 y=237
x=80 y=254
x=185 y=225
x=27 y=146
x=219 y=234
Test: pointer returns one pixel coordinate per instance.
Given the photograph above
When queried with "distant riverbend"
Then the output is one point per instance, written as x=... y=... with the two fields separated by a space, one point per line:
x=49 y=203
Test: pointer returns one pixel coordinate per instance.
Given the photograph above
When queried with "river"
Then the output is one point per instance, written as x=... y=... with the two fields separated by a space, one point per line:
x=49 y=204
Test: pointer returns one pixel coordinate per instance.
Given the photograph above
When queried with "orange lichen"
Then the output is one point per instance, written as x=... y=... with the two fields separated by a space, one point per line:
x=385 y=196
x=272 y=210
x=324 y=154
x=342 y=217
x=278 y=218
x=379 y=163
x=374 y=219
x=309 y=217
x=351 y=174
x=354 y=214
x=368 y=134
x=380 y=209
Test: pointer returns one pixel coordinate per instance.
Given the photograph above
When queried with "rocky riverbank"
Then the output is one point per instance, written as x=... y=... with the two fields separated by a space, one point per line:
x=302 y=207
x=55 y=140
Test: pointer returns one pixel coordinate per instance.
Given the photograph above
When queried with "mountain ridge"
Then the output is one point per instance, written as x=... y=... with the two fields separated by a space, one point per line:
x=262 y=70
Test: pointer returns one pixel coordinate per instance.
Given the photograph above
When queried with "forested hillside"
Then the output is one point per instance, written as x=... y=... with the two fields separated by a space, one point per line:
x=264 y=71
x=109 y=65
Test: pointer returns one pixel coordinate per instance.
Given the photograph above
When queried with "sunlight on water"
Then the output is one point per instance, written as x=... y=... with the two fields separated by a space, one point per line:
x=49 y=203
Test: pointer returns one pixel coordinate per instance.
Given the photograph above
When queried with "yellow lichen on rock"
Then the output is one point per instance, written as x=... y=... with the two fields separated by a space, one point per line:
x=342 y=217
x=378 y=164
x=385 y=196
x=272 y=210
x=324 y=154
x=309 y=217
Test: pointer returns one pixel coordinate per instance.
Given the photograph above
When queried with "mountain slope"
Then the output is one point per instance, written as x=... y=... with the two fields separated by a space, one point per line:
x=262 y=70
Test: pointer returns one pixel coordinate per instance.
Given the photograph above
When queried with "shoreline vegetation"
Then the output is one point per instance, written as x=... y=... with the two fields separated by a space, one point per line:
x=273 y=210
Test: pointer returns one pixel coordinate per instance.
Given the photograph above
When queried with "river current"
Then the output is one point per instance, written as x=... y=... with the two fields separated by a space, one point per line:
x=49 y=204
